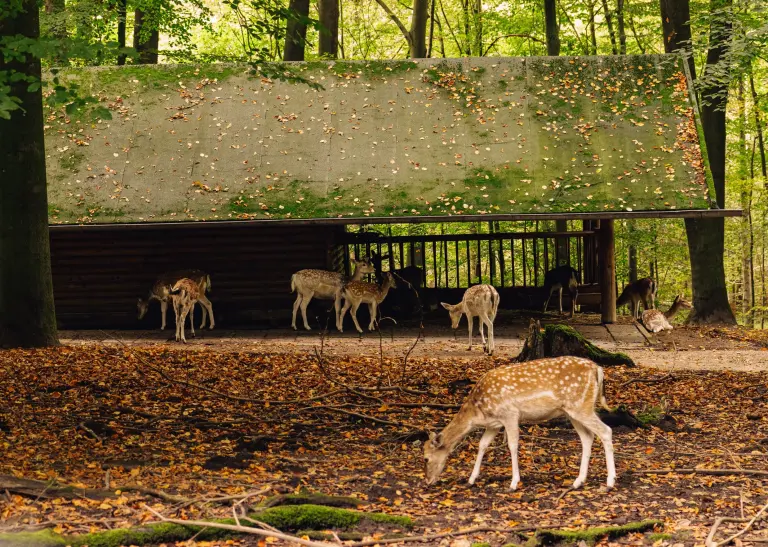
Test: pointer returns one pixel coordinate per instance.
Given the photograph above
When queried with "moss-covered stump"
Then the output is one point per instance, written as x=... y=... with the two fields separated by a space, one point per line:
x=593 y=535
x=289 y=518
x=313 y=498
x=562 y=340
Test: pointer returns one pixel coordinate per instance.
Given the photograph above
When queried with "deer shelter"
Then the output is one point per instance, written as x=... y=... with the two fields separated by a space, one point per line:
x=253 y=173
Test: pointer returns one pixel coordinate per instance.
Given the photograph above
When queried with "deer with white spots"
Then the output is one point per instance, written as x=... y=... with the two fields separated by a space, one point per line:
x=481 y=301
x=655 y=321
x=359 y=292
x=531 y=392
x=308 y=284
x=161 y=289
x=184 y=294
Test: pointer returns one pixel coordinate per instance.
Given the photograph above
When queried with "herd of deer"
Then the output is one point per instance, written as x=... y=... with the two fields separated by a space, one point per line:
x=505 y=397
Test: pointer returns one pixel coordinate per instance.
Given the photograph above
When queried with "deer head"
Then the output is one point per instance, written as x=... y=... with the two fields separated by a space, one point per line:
x=435 y=456
x=456 y=311
x=364 y=266
x=142 y=305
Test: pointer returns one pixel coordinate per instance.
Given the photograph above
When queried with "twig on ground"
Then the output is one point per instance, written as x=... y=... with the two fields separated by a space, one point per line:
x=561 y=496
x=710 y=541
x=716 y=472
x=350 y=413
x=428 y=537
x=235 y=528
x=165 y=496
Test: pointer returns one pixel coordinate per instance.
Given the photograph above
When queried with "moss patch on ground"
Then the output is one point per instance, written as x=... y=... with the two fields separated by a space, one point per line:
x=593 y=535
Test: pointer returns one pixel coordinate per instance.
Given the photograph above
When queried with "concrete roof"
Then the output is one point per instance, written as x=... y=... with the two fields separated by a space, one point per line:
x=348 y=142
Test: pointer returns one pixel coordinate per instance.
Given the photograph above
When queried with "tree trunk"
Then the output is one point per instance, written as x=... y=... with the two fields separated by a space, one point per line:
x=746 y=204
x=418 y=32
x=477 y=16
x=467 y=39
x=706 y=237
x=122 y=13
x=551 y=27
x=592 y=31
x=609 y=24
x=632 y=251
x=146 y=42
x=328 y=13
x=758 y=128
x=27 y=316
x=622 y=30
x=431 y=28
x=296 y=30
x=607 y=260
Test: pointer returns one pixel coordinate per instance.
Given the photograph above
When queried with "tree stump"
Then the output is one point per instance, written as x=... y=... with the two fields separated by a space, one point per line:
x=562 y=340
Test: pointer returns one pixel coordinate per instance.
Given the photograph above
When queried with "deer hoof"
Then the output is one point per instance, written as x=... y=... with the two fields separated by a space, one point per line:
x=513 y=485
x=308 y=328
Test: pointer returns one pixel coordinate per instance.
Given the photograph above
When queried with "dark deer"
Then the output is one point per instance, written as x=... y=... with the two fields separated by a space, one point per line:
x=643 y=290
x=409 y=279
x=557 y=279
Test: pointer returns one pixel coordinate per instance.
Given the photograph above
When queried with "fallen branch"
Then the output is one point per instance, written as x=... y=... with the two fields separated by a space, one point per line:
x=236 y=528
x=716 y=472
x=710 y=542
x=355 y=414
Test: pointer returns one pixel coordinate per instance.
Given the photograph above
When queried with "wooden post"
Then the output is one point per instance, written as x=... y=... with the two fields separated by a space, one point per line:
x=607 y=261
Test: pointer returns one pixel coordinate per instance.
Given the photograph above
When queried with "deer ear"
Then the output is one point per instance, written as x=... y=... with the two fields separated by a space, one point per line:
x=446 y=306
x=436 y=439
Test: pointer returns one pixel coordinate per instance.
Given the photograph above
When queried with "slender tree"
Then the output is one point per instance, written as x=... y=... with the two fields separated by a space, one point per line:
x=609 y=24
x=146 y=36
x=296 y=31
x=122 y=13
x=328 y=13
x=706 y=237
x=417 y=35
x=27 y=317
x=621 y=29
x=552 y=28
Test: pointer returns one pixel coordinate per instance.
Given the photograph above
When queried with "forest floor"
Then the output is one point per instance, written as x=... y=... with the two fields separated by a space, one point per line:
x=281 y=415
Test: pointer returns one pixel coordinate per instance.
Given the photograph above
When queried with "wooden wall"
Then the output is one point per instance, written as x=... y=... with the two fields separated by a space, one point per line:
x=100 y=271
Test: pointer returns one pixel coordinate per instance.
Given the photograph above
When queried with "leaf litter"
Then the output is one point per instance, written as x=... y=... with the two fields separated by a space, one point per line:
x=197 y=425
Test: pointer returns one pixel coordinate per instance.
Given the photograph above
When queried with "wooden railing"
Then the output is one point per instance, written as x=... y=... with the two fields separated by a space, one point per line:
x=509 y=259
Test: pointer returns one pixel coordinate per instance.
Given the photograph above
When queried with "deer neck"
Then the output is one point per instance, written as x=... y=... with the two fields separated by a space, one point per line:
x=384 y=290
x=357 y=275
x=672 y=311
x=457 y=429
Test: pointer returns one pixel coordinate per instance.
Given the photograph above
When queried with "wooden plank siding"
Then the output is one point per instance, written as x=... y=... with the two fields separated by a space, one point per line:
x=98 y=272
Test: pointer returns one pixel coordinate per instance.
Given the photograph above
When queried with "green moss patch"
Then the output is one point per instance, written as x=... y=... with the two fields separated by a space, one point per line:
x=593 y=535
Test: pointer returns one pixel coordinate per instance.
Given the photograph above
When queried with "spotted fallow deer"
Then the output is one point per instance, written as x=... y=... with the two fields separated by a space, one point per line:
x=531 y=392
x=325 y=285
x=481 y=301
x=184 y=294
x=655 y=321
x=161 y=290
x=643 y=290
x=359 y=292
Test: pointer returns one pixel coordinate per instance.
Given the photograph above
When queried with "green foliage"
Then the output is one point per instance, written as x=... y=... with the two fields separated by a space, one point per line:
x=593 y=535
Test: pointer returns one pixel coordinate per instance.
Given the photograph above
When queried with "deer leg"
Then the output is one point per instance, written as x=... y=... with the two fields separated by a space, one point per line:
x=597 y=427
x=347 y=304
x=191 y=308
x=304 y=303
x=296 y=308
x=485 y=442
x=546 y=303
x=470 y=320
x=372 y=308
x=587 y=438
x=574 y=296
x=512 y=426
x=337 y=309
x=560 y=292
x=207 y=306
x=489 y=325
x=163 y=313
x=356 y=305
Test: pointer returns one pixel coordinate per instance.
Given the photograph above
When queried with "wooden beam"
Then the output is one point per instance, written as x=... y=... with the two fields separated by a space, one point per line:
x=607 y=260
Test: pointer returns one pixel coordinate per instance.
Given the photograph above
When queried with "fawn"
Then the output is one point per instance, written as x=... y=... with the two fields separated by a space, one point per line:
x=308 y=284
x=184 y=293
x=643 y=290
x=531 y=392
x=358 y=292
x=161 y=289
x=481 y=301
x=655 y=321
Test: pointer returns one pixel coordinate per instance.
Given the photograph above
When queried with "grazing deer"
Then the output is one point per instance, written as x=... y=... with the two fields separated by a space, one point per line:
x=481 y=301
x=559 y=278
x=531 y=392
x=184 y=293
x=643 y=290
x=322 y=284
x=412 y=278
x=161 y=289
x=358 y=292
x=655 y=321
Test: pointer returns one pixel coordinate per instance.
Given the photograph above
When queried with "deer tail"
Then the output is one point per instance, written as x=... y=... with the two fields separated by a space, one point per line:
x=293 y=283
x=207 y=283
x=494 y=303
x=601 y=389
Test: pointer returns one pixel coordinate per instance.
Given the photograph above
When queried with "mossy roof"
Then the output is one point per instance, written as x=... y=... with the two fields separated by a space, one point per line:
x=370 y=141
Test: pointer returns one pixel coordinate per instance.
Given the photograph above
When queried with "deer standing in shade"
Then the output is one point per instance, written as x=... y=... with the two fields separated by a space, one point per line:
x=643 y=290
x=184 y=293
x=325 y=285
x=655 y=321
x=358 y=292
x=559 y=278
x=161 y=290
x=481 y=301
x=531 y=392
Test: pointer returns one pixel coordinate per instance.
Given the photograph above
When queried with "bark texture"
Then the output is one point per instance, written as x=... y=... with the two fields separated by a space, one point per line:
x=328 y=42
x=146 y=41
x=418 y=32
x=551 y=27
x=296 y=31
x=27 y=317
x=122 y=13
